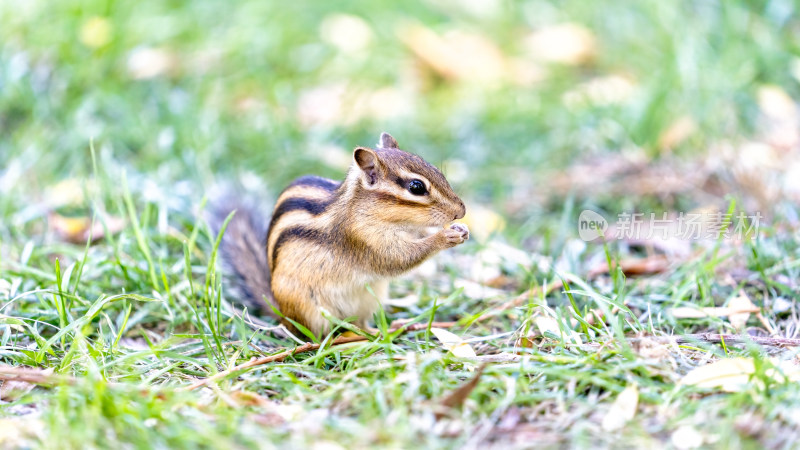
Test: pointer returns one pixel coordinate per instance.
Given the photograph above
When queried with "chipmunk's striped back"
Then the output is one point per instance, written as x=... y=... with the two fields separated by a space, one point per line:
x=301 y=212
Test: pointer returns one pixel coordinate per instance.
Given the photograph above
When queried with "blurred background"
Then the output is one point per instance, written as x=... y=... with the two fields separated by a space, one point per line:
x=120 y=120
x=534 y=109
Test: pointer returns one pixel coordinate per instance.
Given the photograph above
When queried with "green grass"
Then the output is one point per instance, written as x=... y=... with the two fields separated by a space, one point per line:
x=132 y=318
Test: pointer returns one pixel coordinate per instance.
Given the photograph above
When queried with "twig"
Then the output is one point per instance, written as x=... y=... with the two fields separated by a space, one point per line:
x=307 y=347
x=278 y=357
x=33 y=376
x=728 y=339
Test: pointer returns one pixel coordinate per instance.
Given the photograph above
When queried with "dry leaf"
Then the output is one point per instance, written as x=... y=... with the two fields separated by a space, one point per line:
x=788 y=368
x=70 y=191
x=686 y=437
x=730 y=374
x=246 y=398
x=456 y=398
x=12 y=390
x=456 y=55
x=546 y=324
x=566 y=43
x=18 y=432
x=96 y=32
x=738 y=311
x=677 y=132
x=623 y=409
x=79 y=229
x=741 y=303
x=348 y=33
x=453 y=343
x=636 y=266
x=776 y=103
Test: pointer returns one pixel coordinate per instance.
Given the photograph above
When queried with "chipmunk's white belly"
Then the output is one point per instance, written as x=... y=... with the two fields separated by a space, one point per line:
x=354 y=300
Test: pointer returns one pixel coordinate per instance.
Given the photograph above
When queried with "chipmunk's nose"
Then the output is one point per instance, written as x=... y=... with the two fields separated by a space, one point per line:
x=460 y=214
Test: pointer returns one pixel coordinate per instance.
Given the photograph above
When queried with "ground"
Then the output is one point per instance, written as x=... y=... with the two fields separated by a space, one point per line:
x=120 y=121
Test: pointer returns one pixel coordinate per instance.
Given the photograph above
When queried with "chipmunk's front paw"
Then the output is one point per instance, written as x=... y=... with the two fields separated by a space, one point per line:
x=456 y=234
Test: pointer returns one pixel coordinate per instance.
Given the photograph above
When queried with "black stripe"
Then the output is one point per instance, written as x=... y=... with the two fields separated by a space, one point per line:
x=292 y=233
x=313 y=206
x=400 y=182
x=311 y=180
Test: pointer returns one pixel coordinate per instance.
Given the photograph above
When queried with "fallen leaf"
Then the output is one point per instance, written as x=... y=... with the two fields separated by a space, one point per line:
x=741 y=303
x=453 y=343
x=776 y=103
x=677 y=132
x=737 y=310
x=623 y=409
x=18 y=432
x=686 y=437
x=12 y=390
x=456 y=398
x=70 y=191
x=246 y=398
x=729 y=374
x=636 y=266
x=78 y=230
x=545 y=324
x=348 y=33
x=788 y=368
x=456 y=55
x=96 y=32
x=566 y=43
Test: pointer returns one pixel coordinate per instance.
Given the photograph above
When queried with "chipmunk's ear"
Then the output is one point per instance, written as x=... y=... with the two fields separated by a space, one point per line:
x=387 y=141
x=367 y=160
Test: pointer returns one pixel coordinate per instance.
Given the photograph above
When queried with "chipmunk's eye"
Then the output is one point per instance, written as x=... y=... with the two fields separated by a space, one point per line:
x=417 y=187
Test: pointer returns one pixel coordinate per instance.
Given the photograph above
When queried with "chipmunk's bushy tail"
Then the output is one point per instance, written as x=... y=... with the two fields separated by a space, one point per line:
x=244 y=256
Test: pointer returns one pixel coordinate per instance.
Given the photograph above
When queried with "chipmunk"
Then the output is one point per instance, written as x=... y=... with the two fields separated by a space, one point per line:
x=327 y=241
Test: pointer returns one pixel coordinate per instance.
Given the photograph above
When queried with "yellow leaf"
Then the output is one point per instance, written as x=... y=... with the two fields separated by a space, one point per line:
x=680 y=130
x=348 y=33
x=545 y=324
x=549 y=324
x=686 y=437
x=566 y=43
x=457 y=55
x=453 y=343
x=730 y=375
x=96 y=32
x=722 y=311
x=776 y=103
x=623 y=409
x=741 y=303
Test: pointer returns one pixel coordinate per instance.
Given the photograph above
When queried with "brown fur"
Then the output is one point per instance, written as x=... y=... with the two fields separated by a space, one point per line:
x=328 y=241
